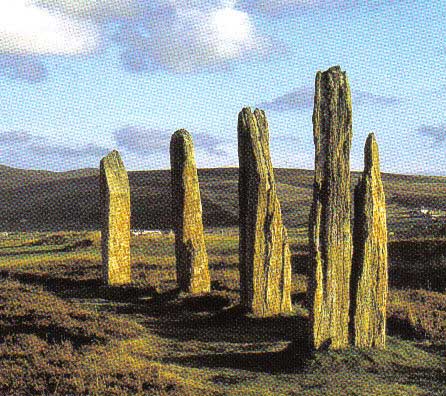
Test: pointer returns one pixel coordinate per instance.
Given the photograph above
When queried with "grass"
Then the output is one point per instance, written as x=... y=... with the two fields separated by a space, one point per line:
x=49 y=346
x=62 y=332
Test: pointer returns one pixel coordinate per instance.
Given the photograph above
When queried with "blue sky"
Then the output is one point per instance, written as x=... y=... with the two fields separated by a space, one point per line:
x=79 y=78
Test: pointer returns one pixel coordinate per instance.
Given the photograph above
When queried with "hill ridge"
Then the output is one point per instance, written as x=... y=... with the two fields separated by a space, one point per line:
x=35 y=200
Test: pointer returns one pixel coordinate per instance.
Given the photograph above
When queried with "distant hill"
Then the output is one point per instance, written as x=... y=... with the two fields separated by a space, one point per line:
x=43 y=200
x=13 y=177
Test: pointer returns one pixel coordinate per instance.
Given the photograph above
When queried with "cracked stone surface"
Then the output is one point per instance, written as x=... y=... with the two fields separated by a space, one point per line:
x=190 y=249
x=265 y=260
x=370 y=267
x=330 y=236
x=115 y=214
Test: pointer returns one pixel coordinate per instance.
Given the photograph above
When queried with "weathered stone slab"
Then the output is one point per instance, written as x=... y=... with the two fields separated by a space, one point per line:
x=115 y=213
x=330 y=235
x=369 y=271
x=265 y=267
x=190 y=249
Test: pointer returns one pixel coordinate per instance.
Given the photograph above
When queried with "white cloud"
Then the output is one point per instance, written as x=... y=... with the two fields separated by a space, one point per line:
x=181 y=36
x=200 y=39
x=27 y=29
x=195 y=38
x=25 y=150
x=103 y=9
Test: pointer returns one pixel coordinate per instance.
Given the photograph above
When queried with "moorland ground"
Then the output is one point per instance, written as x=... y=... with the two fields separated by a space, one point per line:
x=62 y=332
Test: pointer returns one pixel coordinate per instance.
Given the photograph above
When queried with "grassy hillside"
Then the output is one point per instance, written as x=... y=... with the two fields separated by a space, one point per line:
x=39 y=200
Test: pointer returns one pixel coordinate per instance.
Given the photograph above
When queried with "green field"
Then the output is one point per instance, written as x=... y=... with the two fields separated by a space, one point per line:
x=62 y=332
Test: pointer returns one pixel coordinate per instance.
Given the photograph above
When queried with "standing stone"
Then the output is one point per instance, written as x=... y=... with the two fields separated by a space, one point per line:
x=369 y=272
x=115 y=213
x=330 y=217
x=190 y=249
x=265 y=262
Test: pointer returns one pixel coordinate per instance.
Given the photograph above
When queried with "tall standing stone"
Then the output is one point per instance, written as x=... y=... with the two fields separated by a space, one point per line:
x=115 y=213
x=369 y=272
x=190 y=249
x=265 y=266
x=330 y=216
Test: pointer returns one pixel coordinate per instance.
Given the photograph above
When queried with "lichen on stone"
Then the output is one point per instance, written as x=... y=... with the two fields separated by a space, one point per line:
x=115 y=220
x=265 y=266
x=190 y=249
x=329 y=225
x=369 y=272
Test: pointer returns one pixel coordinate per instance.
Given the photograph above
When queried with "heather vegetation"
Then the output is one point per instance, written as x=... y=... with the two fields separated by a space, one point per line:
x=63 y=332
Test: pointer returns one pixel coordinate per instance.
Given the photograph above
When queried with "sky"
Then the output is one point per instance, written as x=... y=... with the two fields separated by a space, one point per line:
x=79 y=78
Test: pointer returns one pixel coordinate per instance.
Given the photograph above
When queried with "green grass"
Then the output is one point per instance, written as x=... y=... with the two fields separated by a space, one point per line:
x=63 y=332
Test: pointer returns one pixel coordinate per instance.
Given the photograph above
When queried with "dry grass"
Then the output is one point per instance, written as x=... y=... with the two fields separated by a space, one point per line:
x=49 y=346
x=62 y=332
x=418 y=314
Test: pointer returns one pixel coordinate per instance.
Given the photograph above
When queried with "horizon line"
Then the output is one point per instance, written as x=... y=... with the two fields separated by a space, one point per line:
x=209 y=168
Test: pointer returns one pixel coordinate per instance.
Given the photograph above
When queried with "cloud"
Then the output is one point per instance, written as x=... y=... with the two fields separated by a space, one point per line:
x=178 y=36
x=144 y=141
x=280 y=8
x=20 y=148
x=15 y=137
x=102 y=10
x=197 y=36
x=303 y=99
x=43 y=149
x=27 y=29
x=367 y=98
x=27 y=32
x=24 y=68
x=209 y=143
x=437 y=133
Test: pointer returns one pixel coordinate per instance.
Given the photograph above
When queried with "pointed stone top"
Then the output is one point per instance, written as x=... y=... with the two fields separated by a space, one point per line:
x=246 y=115
x=182 y=134
x=246 y=111
x=371 y=154
x=113 y=159
x=333 y=71
x=250 y=122
x=113 y=171
x=331 y=78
